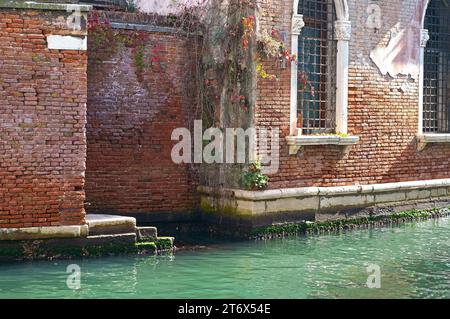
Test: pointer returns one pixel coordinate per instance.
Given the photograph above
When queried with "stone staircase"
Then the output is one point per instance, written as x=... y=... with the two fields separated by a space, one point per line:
x=119 y=228
x=101 y=235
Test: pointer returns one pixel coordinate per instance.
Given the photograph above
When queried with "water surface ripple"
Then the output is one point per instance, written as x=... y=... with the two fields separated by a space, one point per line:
x=414 y=260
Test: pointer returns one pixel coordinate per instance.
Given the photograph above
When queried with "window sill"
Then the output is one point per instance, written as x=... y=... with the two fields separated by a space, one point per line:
x=297 y=142
x=429 y=138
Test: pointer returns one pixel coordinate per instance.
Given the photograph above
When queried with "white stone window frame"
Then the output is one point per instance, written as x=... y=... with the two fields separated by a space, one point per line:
x=343 y=29
x=423 y=139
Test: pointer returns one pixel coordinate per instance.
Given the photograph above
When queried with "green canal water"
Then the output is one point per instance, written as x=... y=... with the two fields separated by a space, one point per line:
x=414 y=259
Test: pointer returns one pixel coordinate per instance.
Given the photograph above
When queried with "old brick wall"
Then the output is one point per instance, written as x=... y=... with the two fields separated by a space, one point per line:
x=383 y=112
x=42 y=122
x=133 y=107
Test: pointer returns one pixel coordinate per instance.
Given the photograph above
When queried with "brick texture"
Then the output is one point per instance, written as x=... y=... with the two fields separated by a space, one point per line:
x=383 y=112
x=42 y=123
x=132 y=112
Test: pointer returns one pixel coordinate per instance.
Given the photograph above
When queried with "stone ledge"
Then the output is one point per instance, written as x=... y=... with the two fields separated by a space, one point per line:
x=424 y=139
x=297 y=142
x=43 y=232
x=320 y=199
x=328 y=191
x=110 y=224
x=68 y=7
x=96 y=225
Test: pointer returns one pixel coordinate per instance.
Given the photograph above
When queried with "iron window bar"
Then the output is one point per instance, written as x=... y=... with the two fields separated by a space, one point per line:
x=436 y=99
x=317 y=64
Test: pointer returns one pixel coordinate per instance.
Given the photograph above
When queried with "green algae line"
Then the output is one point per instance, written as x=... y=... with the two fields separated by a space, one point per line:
x=282 y=230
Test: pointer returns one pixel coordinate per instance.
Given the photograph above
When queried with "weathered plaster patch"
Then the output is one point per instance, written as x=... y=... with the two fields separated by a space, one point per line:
x=401 y=55
x=66 y=42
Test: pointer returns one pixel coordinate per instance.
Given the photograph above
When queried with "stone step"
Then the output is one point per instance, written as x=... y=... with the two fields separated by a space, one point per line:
x=110 y=224
x=125 y=238
x=165 y=243
x=146 y=233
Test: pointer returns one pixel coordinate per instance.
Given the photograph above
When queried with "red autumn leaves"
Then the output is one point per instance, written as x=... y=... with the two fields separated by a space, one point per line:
x=248 y=25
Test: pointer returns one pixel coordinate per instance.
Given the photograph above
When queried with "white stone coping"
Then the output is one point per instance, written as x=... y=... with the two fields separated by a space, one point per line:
x=434 y=138
x=76 y=231
x=329 y=191
x=45 y=232
x=96 y=220
x=69 y=7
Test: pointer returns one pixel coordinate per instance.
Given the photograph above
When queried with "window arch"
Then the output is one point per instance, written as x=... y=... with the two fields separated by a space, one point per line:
x=321 y=32
x=316 y=99
x=436 y=69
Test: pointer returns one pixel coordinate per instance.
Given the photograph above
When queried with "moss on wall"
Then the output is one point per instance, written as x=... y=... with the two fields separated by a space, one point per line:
x=41 y=249
x=283 y=230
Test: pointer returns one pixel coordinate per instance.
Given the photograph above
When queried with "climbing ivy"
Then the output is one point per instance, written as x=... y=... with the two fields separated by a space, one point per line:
x=105 y=41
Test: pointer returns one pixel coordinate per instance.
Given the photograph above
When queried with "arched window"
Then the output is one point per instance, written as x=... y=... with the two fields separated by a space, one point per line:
x=320 y=36
x=436 y=69
x=316 y=85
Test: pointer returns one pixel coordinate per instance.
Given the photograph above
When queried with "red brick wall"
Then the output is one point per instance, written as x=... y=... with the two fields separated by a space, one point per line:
x=381 y=112
x=130 y=121
x=42 y=123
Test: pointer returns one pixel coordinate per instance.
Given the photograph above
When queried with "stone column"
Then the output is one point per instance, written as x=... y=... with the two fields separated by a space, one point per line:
x=297 y=26
x=424 y=37
x=343 y=30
